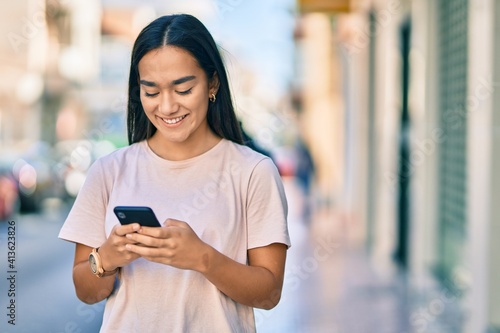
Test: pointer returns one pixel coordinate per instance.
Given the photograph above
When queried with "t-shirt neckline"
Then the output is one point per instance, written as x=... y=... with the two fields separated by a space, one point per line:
x=182 y=163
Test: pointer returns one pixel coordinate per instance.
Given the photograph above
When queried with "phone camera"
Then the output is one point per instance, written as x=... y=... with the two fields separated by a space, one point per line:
x=121 y=215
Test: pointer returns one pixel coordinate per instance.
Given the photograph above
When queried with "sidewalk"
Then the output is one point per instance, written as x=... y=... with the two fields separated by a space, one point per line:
x=331 y=285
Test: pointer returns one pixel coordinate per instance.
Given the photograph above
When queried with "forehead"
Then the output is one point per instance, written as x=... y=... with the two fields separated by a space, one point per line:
x=168 y=63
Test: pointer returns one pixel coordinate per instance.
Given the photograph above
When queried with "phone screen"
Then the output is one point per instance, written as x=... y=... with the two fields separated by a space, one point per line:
x=136 y=214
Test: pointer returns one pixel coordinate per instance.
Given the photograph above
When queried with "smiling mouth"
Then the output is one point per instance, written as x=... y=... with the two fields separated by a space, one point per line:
x=173 y=121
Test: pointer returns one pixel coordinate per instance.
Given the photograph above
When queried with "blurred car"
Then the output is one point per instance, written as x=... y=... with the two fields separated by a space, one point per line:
x=8 y=196
x=73 y=159
x=31 y=172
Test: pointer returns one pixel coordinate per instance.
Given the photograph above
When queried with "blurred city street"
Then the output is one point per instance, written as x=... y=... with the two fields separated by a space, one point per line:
x=45 y=299
x=332 y=287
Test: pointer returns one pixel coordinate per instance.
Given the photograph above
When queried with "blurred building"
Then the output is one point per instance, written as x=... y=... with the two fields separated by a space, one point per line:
x=64 y=76
x=22 y=69
x=401 y=96
x=51 y=54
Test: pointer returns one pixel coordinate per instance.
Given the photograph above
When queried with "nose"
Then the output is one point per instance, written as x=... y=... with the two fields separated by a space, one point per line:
x=168 y=104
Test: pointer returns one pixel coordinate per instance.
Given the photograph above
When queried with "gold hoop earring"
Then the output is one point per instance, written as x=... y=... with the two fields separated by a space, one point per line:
x=212 y=98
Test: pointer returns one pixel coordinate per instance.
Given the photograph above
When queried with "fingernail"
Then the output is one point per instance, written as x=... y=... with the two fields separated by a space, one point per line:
x=128 y=235
x=136 y=227
x=128 y=246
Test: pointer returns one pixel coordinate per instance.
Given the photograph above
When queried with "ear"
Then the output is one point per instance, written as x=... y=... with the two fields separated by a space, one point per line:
x=213 y=84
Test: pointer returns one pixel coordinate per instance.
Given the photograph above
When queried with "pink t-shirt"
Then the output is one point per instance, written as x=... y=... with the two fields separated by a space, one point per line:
x=231 y=196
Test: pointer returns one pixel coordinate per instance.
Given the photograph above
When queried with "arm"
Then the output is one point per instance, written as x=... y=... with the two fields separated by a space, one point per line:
x=90 y=288
x=257 y=284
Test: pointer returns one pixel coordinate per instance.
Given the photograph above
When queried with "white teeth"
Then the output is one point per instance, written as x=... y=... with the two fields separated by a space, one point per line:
x=173 y=121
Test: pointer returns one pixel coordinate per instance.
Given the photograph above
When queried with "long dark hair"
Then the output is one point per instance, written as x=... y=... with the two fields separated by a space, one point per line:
x=187 y=32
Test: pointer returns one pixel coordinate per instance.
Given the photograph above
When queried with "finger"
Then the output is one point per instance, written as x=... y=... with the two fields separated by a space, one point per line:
x=175 y=223
x=122 y=230
x=143 y=251
x=153 y=232
x=144 y=240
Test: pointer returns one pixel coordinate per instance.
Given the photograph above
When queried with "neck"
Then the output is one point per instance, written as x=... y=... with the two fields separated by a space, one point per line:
x=179 y=151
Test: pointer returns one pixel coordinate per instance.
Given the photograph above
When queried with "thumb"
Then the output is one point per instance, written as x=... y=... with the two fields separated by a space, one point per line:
x=174 y=223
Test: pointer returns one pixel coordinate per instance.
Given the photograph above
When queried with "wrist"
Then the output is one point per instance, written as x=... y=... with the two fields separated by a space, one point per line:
x=96 y=265
x=106 y=265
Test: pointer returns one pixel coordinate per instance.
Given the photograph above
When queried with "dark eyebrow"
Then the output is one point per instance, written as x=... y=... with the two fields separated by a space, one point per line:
x=147 y=83
x=174 y=82
x=183 y=79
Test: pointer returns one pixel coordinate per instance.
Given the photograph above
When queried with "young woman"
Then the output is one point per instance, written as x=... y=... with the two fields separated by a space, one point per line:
x=221 y=250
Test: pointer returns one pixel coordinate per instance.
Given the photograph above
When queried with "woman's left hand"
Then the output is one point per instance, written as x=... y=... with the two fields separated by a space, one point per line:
x=174 y=244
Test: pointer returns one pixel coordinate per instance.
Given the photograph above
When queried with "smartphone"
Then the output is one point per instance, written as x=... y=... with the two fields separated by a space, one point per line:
x=136 y=214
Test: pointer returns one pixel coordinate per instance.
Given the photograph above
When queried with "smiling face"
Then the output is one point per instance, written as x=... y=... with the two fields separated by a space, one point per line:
x=174 y=94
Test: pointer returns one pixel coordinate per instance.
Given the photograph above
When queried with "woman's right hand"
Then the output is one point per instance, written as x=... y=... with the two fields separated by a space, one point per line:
x=113 y=252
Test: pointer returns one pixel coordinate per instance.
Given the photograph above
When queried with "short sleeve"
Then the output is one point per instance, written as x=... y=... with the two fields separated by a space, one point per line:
x=85 y=221
x=266 y=207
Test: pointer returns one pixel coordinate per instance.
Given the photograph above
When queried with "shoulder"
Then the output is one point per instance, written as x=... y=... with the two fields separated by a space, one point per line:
x=245 y=154
x=256 y=164
x=113 y=162
x=120 y=155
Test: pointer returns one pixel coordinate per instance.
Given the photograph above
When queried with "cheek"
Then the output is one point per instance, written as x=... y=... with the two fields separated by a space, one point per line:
x=147 y=104
x=200 y=103
x=202 y=106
